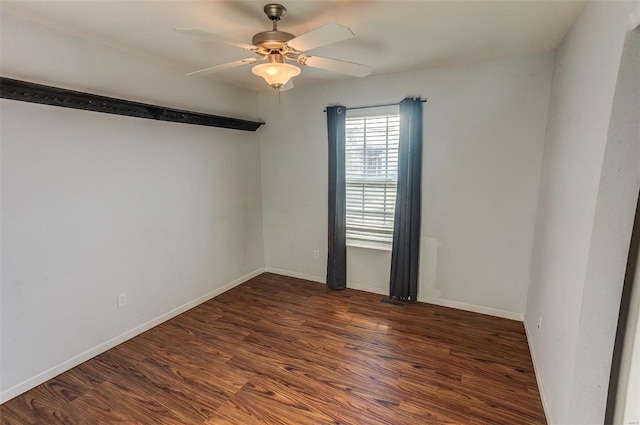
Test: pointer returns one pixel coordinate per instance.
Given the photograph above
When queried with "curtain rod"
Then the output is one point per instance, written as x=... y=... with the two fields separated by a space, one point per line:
x=375 y=106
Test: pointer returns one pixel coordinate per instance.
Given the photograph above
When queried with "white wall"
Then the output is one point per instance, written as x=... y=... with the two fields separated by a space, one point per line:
x=484 y=128
x=94 y=205
x=587 y=200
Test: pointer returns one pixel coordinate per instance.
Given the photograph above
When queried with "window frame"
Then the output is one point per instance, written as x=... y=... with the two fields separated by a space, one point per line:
x=378 y=237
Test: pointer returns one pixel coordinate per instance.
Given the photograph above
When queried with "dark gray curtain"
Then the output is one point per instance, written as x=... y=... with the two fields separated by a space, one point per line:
x=337 y=252
x=405 y=252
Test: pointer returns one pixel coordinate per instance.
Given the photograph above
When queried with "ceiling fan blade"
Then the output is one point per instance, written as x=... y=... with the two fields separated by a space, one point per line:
x=335 y=65
x=222 y=67
x=215 y=37
x=326 y=34
x=287 y=86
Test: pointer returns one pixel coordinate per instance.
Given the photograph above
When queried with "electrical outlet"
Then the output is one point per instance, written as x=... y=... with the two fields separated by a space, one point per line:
x=540 y=323
x=122 y=300
x=316 y=254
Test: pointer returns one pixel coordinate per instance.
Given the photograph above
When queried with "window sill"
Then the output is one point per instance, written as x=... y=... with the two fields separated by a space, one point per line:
x=369 y=245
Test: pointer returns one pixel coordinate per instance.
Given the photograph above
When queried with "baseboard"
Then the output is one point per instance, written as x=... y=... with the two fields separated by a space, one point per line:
x=474 y=308
x=367 y=288
x=297 y=275
x=437 y=301
x=92 y=352
x=42 y=377
x=536 y=370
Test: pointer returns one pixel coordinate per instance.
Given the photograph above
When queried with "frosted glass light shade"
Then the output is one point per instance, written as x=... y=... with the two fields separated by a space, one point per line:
x=276 y=74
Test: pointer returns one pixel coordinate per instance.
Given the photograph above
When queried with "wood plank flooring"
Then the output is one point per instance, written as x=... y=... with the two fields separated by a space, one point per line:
x=278 y=350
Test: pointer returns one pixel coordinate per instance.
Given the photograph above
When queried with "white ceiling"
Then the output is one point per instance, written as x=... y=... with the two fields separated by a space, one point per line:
x=391 y=35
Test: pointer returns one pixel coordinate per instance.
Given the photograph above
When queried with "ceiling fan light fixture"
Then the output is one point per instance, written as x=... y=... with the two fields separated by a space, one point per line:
x=276 y=73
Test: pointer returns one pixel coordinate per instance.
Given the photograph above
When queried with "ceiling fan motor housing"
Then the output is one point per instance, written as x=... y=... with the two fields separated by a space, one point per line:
x=272 y=39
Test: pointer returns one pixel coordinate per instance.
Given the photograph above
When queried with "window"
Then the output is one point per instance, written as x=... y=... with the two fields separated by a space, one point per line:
x=372 y=137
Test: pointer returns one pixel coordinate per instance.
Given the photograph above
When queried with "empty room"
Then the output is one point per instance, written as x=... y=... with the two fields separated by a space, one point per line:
x=319 y=212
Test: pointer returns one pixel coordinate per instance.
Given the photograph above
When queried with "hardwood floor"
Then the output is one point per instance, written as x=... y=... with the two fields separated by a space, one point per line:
x=281 y=350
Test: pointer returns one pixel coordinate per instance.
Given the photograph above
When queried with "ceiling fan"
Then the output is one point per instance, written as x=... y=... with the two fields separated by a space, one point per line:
x=277 y=47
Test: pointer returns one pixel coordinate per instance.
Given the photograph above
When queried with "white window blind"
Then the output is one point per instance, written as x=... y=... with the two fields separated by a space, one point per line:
x=371 y=176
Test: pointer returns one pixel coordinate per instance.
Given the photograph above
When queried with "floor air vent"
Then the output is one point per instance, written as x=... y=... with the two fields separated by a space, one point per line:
x=390 y=301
